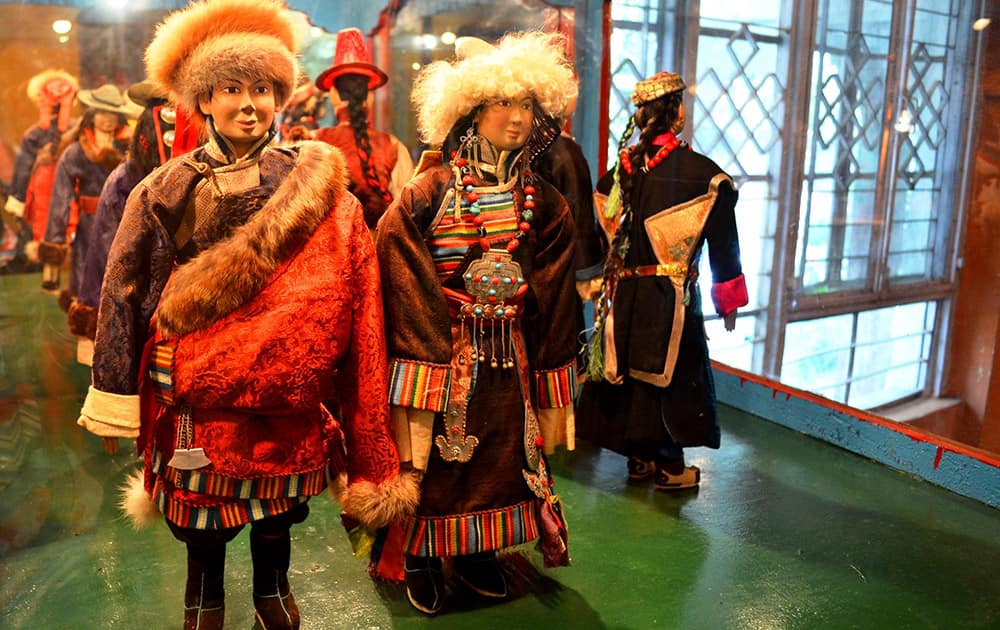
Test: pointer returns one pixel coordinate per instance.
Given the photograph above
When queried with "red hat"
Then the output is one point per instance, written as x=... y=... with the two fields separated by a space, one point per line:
x=351 y=57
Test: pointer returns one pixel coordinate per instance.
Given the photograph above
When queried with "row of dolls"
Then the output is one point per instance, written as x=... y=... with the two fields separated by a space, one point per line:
x=261 y=341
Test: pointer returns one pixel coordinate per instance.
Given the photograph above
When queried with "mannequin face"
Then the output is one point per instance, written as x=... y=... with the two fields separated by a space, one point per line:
x=105 y=122
x=506 y=122
x=242 y=111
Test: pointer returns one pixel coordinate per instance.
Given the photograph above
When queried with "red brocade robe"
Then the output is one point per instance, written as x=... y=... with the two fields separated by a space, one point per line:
x=273 y=309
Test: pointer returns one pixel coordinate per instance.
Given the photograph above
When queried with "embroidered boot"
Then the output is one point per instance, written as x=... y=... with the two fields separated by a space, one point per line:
x=424 y=583
x=204 y=596
x=677 y=476
x=272 y=595
x=639 y=469
x=481 y=572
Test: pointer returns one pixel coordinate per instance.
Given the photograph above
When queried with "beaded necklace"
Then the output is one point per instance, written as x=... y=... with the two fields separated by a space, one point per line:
x=496 y=276
x=670 y=142
x=464 y=183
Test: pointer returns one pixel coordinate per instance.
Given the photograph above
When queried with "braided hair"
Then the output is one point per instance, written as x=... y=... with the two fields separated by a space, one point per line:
x=143 y=150
x=652 y=119
x=353 y=88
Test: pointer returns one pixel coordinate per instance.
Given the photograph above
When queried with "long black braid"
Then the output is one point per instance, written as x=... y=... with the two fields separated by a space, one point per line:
x=143 y=150
x=353 y=88
x=652 y=119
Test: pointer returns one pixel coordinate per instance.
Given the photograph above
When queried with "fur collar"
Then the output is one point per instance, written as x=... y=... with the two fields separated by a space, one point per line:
x=109 y=156
x=228 y=274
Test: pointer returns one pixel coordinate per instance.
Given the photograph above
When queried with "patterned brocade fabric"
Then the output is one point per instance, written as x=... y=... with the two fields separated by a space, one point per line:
x=556 y=388
x=419 y=385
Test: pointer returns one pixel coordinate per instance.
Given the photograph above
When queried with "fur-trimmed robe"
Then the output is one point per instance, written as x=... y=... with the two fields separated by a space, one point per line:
x=79 y=178
x=463 y=499
x=83 y=309
x=275 y=307
x=34 y=169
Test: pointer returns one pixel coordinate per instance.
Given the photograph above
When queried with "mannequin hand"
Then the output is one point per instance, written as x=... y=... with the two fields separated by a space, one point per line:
x=730 y=321
x=110 y=445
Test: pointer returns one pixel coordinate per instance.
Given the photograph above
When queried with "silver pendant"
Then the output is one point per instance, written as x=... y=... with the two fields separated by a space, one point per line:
x=189 y=459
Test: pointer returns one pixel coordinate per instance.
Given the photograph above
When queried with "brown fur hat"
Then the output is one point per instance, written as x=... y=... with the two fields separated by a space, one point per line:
x=214 y=40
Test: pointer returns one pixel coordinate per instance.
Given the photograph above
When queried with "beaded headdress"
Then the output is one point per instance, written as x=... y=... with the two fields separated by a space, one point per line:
x=660 y=84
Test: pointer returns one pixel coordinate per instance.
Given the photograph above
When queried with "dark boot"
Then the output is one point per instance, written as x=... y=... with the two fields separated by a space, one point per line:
x=481 y=572
x=204 y=596
x=424 y=583
x=272 y=596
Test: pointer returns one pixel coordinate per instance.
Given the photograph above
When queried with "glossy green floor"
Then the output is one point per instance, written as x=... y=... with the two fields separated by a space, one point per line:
x=785 y=532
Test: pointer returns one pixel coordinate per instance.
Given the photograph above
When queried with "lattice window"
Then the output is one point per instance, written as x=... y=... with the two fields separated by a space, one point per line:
x=842 y=159
x=738 y=101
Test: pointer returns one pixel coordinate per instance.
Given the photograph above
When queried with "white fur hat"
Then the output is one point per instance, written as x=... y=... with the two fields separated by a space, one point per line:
x=531 y=62
x=223 y=39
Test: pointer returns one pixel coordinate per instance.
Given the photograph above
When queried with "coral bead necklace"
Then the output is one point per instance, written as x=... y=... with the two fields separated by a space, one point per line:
x=670 y=142
x=468 y=191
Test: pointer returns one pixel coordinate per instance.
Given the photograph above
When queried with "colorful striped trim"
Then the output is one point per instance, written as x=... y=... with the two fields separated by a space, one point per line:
x=452 y=239
x=214 y=484
x=160 y=372
x=233 y=514
x=419 y=385
x=471 y=533
x=556 y=388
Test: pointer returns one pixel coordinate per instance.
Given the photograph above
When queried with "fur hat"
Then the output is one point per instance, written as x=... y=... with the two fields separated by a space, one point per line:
x=214 y=40
x=56 y=81
x=351 y=57
x=533 y=62
x=50 y=90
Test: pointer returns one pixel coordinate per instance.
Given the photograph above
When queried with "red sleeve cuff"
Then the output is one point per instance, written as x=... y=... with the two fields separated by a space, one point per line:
x=729 y=296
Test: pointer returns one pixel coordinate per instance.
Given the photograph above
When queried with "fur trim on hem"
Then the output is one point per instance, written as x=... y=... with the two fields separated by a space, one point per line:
x=377 y=505
x=225 y=276
x=52 y=253
x=82 y=319
x=135 y=502
x=336 y=487
x=65 y=300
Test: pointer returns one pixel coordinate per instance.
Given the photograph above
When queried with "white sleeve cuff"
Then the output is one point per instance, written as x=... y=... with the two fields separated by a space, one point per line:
x=14 y=206
x=110 y=415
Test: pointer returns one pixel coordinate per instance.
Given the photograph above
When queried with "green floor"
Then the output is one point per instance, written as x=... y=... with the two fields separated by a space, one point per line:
x=785 y=532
